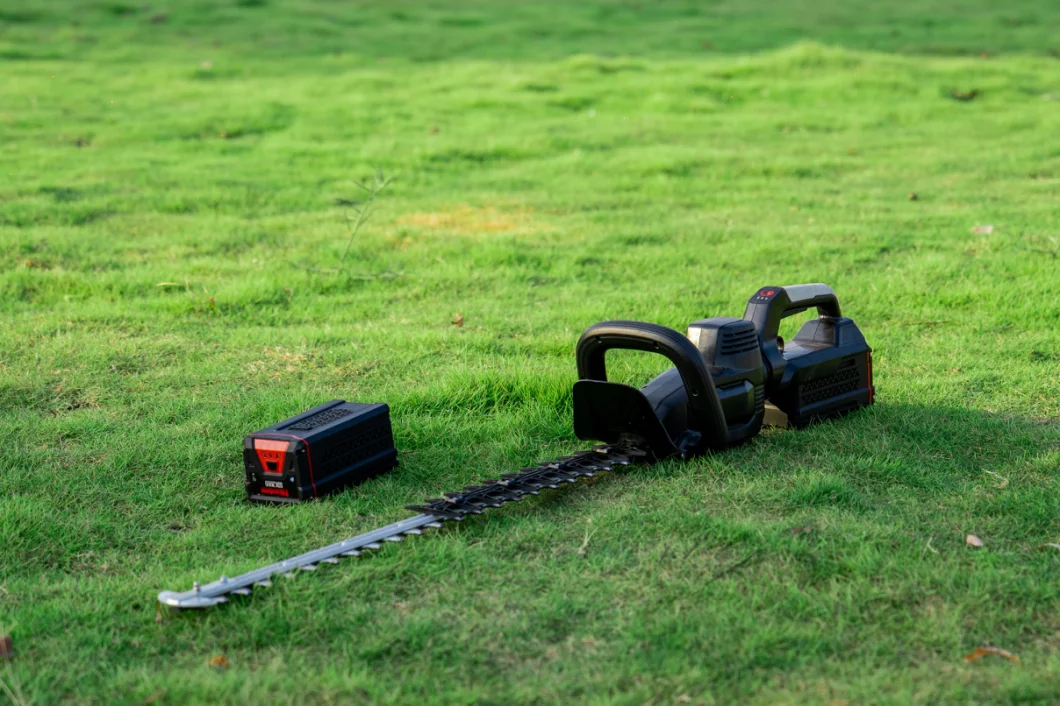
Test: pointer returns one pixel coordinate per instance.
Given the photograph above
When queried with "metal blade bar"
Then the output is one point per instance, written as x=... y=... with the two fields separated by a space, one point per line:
x=213 y=593
x=451 y=507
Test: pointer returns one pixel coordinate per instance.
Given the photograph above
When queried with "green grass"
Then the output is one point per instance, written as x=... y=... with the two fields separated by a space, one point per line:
x=170 y=239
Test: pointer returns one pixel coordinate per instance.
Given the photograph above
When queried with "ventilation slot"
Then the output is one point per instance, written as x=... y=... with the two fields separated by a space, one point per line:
x=847 y=380
x=358 y=448
x=734 y=340
x=322 y=418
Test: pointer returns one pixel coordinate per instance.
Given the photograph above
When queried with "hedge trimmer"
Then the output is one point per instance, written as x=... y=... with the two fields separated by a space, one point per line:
x=729 y=377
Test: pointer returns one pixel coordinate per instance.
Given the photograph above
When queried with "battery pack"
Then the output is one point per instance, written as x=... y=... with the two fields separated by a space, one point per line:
x=319 y=452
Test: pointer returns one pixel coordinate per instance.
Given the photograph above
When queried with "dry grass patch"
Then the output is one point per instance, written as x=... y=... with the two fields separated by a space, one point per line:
x=465 y=219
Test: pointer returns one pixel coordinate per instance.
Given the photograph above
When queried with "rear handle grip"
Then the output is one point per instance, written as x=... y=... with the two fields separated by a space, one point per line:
x=803 y=296
x=769 y=305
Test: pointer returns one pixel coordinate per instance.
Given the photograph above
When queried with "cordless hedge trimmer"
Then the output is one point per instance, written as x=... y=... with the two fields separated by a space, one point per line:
x=729 y=377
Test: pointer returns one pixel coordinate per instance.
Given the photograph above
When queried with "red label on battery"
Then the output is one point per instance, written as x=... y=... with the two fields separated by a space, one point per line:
x=271 y=454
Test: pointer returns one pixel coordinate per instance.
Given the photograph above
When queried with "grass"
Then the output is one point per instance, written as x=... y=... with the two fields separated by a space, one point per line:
x=171 y=237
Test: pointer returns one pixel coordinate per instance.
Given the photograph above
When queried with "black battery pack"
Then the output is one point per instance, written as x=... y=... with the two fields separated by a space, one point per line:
x=319 y=452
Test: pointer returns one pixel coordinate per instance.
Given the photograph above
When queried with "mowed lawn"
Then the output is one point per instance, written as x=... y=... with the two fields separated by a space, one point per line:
x=172 y=229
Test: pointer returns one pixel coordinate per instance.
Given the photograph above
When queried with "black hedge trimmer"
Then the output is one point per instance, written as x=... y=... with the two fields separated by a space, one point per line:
x=730 y=377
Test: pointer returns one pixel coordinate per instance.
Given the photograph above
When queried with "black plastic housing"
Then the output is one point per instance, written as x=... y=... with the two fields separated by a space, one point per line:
x=827 y=372
x=730 y=347
x=318 y=452
x=724 y=372
x=712 y=398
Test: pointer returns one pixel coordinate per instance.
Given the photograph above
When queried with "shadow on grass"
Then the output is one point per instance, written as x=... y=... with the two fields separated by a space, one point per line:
x=893 y=460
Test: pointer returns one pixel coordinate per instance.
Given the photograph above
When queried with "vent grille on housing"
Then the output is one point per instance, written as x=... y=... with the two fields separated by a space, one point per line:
x=321 y=418
x=738 y=339
x=846 y=380
x=360 y=447
x=760 y=398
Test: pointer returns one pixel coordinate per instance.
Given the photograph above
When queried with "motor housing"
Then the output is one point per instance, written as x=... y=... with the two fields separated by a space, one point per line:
x=725 y=370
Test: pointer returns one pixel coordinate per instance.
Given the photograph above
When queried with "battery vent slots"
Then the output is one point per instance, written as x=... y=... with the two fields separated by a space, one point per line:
x=358 y=448
x=319 y=420
x=846 y=380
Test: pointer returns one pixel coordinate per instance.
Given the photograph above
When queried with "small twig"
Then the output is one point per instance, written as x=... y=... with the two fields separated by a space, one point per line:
x=733 y=567
x=386 y=276
x=1003 y=479
x=921 y=323
x=14 y=691
x=928 y=547
x=589 y=532
x=1053 y=252
x=695 y=546
x=362 y=209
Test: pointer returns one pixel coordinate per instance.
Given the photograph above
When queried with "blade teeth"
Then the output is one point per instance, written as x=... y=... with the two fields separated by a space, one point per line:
x=451 y=507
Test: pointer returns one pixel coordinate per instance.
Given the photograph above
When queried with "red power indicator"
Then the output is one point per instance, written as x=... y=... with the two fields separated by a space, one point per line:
x=767 y=293
x=271 y=453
